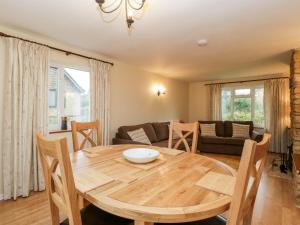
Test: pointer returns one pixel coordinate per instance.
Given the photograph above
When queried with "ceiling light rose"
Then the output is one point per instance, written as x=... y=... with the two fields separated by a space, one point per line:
x=114 y=5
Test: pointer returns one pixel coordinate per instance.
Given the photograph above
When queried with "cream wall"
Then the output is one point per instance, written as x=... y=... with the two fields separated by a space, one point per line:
x=198 y=101
x=132 y=98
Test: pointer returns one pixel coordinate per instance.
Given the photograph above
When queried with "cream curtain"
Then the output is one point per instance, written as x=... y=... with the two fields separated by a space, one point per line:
x=277 y=112
x=215 y=93
x=100 y=96
x=25 y=112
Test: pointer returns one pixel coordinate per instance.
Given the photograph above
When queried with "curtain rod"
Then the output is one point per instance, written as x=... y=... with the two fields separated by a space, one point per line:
x=244 y=81
x=54 y=48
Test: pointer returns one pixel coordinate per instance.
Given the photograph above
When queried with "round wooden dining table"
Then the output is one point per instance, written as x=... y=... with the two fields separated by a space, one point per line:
x=167 y=190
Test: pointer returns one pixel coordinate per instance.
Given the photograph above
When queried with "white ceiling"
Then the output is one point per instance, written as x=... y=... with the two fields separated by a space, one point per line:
x=246 y=37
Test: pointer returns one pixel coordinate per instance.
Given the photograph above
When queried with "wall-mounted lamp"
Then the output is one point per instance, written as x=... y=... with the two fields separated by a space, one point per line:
x=159 y=90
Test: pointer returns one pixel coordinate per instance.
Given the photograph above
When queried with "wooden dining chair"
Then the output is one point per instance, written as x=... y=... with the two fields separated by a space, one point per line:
x=183 y=131
x=87 y=130
x=247 y=182
x=61 y=189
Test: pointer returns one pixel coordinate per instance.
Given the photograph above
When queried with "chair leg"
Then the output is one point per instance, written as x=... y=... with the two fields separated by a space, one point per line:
x=54 y=213
x=248 y=218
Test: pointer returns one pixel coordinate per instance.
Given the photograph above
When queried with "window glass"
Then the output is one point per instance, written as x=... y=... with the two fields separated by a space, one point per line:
x=77 y=97
x=53 y=98
x=242 y=109
x=226 y=105
x=242 y=91
x=243 y=104
x=69 y=95
x=259 y=107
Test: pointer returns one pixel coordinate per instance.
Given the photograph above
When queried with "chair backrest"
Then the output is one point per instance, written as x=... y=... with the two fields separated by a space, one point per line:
x=87 y=130
x=184 y=130
x=247 y=181
x=59 y=179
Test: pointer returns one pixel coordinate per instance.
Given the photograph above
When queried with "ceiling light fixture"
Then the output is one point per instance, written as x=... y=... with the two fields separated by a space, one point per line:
x=202 y=42
x=111 y=6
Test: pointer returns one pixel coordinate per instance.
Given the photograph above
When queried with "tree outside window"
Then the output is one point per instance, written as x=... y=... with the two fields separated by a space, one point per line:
x=243 y=104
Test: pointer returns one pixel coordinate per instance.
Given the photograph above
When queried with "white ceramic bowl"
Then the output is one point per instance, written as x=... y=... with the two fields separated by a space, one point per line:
x=141 y=155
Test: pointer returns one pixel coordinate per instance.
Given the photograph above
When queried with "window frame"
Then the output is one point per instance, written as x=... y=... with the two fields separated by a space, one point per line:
x=233 y=96
x=60 y=104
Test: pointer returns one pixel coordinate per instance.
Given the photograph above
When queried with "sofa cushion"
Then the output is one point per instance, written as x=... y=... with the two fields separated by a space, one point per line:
x=240 y=130
x=219 y=127
x=228 y=127
x=208 y=130
x=234 y=141
x=161 y=130
x=139 y=135
x=212 y=140
x=148 y=128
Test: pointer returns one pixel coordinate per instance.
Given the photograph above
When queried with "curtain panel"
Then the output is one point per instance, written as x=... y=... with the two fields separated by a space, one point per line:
x=100 y=96
x=277 y=113
x=25 y=113
x=215 y=92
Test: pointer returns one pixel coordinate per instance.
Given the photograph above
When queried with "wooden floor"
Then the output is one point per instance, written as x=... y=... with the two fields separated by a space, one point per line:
x=274 y=204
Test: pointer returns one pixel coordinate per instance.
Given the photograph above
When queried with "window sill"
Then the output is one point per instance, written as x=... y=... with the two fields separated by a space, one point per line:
x=59 y=131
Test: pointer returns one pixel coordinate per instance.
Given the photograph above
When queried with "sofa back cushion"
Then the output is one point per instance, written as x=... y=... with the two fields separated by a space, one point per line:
x=148 y=128
x=228 y=127
x=219 y=127
x=161 y=130
x=208 y=130
x=240 y=130
x=139 y=135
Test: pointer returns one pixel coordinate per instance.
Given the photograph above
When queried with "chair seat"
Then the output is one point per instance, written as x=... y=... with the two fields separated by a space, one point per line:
x=91 y=215
x=217 y=220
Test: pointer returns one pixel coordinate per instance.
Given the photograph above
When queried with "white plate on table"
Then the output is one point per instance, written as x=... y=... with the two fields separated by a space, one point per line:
x=141 y=155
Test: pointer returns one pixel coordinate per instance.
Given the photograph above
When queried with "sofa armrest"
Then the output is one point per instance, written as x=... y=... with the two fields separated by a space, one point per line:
x=119 y=141
x=256 y=136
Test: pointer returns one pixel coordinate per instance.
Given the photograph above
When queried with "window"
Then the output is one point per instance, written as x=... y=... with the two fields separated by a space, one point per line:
x=68 y=95
x=243 y=104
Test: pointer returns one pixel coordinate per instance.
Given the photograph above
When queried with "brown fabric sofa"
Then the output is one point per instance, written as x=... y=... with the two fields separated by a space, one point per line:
x=224 y=143
x=158 y=134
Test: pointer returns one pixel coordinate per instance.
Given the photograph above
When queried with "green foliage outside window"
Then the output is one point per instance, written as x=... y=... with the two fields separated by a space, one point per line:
x=243 y=105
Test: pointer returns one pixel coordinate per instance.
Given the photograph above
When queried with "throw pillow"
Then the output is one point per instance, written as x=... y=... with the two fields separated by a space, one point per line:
x=175 y=135
x=139 y=135
x=208 y=130
x=240 y=130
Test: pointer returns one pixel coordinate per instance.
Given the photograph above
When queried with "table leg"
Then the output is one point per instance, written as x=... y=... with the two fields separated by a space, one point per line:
x=138 y=222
